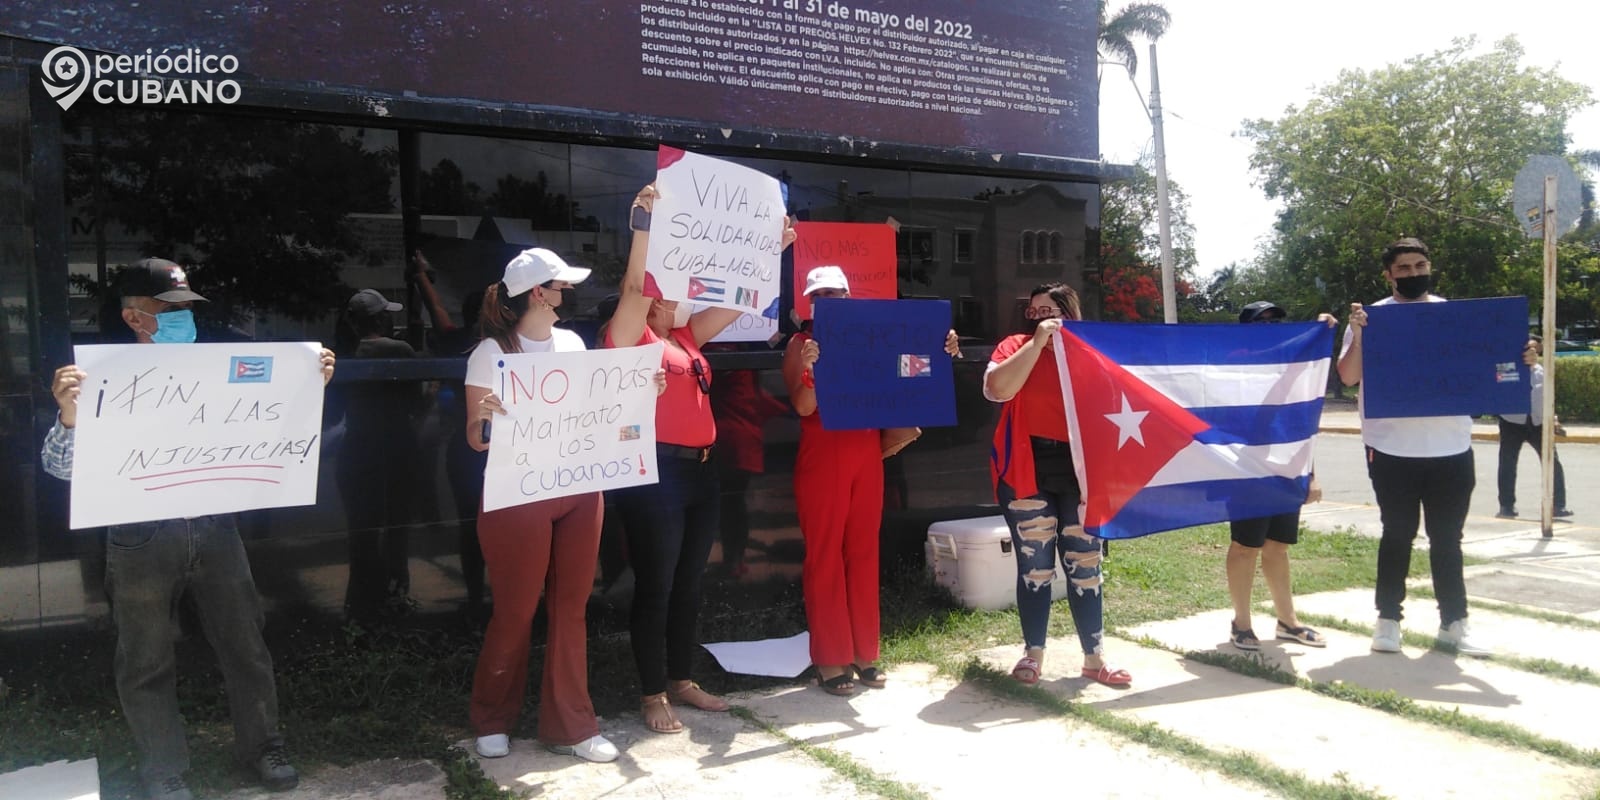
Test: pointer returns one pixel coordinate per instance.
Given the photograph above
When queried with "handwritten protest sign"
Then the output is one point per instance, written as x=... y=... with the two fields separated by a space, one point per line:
x=716 y=232
x=883 y=364
x=865 y=251
x=1445 y=359
x=185 y=430
x=575 y=422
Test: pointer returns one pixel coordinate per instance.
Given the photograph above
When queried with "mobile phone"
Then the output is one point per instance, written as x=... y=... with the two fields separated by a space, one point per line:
x=639 y=220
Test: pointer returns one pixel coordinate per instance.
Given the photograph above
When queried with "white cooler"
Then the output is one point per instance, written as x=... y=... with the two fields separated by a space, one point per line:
x=973 y=558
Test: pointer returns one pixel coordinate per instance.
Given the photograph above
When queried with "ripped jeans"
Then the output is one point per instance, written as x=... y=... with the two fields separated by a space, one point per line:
x=1041 y=526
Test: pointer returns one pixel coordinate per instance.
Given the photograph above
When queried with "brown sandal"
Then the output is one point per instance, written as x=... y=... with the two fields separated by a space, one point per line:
x=691 y=694
x=658 y=716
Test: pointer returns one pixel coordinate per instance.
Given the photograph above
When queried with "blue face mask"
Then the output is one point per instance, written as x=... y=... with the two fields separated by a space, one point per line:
x=174 y=327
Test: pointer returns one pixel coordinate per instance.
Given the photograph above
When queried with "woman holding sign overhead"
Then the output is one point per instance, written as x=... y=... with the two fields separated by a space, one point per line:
x=1034 y=482
x=838 y=492
x=670 y=525
x=546 y=546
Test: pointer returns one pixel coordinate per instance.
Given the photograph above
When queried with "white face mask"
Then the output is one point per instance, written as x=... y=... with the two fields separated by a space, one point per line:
x=681 y=315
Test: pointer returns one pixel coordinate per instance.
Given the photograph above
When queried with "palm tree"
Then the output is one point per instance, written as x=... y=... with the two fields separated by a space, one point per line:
x=1117 y=32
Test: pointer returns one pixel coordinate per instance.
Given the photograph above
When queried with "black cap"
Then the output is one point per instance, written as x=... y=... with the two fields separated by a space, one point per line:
x=158 y=278
x=1261 y=310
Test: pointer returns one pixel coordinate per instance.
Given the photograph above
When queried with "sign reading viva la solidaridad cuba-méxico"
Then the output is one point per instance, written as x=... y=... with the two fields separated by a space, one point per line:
x=716 y=233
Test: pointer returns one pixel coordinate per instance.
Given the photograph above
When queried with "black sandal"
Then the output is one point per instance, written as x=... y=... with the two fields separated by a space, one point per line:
x=841 y=685
x=871 y=677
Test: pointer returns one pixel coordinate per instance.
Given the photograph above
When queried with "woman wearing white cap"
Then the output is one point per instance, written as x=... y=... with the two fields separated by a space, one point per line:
x=671 y=525
x=838 y=493
x=546 y=546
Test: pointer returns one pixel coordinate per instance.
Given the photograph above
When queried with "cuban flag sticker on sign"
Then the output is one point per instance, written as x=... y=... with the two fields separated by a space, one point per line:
x=250 y=369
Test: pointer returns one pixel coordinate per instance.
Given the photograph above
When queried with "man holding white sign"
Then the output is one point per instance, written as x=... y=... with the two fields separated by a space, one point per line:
x=150 y=564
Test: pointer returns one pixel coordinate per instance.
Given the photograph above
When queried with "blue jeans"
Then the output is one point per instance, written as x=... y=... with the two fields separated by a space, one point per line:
x=1043 y=525
x=149 y=566
x=670 y=527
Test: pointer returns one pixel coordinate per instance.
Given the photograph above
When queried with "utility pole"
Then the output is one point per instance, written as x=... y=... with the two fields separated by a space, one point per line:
x=1169 y=300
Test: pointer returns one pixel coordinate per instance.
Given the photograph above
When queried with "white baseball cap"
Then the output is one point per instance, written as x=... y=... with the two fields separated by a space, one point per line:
x=536 y=266
x=825 y=278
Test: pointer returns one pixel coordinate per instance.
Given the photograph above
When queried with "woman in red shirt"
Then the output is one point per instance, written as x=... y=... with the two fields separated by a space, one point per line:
x=1034 y=482
x=838 y=493
x=671 y=525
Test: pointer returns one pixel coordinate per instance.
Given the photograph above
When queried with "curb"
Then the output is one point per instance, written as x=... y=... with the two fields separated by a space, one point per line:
x=1477 y=436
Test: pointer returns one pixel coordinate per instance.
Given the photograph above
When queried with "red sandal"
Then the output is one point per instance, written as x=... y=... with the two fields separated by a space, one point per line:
x=1108 y=676
x=1026 y=672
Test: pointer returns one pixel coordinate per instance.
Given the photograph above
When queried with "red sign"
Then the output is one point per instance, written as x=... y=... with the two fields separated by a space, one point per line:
x=865 y=251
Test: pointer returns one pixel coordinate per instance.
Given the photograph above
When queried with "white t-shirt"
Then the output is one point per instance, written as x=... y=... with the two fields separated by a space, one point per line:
x=481 y=364
x=1411 y=437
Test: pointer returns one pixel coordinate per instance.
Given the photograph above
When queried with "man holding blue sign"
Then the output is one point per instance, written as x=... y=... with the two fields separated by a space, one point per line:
x=1419 y=465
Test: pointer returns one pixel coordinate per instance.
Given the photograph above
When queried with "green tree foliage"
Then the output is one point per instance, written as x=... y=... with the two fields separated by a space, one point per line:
x=257 y=211
x=1425 y=148
x=1135 y=20
x=1129 y=257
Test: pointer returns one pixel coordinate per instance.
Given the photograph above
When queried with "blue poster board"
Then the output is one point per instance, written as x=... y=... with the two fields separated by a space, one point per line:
x=883 y=364
x=1445 y=359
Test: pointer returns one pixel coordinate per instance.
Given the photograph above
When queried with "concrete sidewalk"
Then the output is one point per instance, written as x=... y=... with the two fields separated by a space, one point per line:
x=934 y=736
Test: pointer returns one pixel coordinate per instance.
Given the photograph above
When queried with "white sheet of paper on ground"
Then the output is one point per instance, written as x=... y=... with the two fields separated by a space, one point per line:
x=58 y=780
x=777 y=658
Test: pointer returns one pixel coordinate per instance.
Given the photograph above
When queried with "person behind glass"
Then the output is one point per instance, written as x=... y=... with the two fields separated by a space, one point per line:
x=1269 y=538
x=1420 y=468
x=376 y=465
x=545 y=546
x=463 y=466
x=838 y=493
x=741 y=407
x=1034 y=483
x=149 y=565
x=1515 y=429
x=670 y=525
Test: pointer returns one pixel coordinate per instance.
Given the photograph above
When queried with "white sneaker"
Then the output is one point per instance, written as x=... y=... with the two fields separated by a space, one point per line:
x=1386 y=639
x=1456 y=635
x=596 y=748
x=495 y=745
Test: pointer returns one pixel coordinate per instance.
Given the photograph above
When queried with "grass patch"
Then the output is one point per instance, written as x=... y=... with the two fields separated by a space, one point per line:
x=854 y=771
x=1234 y=764
x=1166 y=576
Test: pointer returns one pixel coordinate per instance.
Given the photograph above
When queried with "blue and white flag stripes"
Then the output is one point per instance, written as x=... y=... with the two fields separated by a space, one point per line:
x=1181 y=425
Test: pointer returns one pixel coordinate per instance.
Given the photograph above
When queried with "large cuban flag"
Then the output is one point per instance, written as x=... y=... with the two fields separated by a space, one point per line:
x=1180 y=425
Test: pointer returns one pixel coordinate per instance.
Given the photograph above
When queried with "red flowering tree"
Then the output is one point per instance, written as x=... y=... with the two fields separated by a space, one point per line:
x=1129 y=258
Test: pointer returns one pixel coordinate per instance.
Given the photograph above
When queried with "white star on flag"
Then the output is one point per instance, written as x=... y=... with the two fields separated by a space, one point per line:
x=1127 y=421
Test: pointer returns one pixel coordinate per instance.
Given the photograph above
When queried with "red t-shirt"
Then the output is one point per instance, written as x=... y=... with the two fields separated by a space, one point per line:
x=1038 y=409
x=1044 y=411
x=683 y=412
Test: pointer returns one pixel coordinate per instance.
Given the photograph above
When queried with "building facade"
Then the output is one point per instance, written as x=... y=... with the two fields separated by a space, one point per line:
x=322 y=153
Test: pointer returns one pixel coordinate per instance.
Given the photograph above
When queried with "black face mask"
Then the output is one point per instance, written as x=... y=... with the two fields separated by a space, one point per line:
x=1412 y=287
x=569 y=305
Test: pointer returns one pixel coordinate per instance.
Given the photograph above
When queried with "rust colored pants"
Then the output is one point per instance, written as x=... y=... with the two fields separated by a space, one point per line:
x=838 y=492
x=550 y=545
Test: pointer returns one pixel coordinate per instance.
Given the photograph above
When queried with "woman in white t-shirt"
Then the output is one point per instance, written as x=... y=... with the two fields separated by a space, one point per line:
x=547 y=546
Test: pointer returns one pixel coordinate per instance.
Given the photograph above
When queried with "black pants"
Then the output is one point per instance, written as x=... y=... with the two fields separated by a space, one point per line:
x=1512 y=437
x=670 y=528
x=1410 y=490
